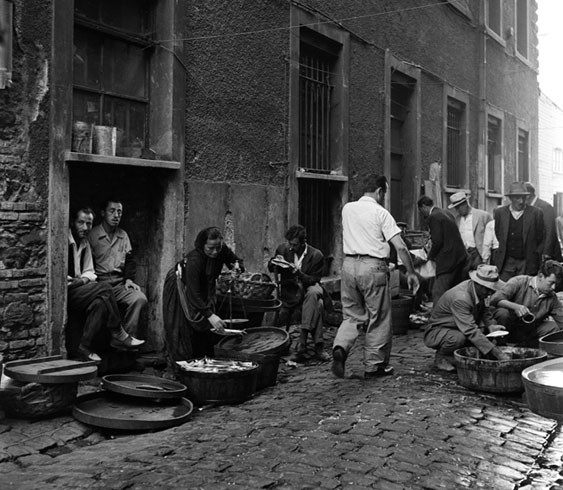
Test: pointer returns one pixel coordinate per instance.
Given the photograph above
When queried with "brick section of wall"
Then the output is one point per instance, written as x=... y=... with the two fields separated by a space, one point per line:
x=23 y=279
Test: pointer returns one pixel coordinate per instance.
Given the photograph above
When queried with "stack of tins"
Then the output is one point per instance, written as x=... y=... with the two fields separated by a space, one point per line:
x=42 y=386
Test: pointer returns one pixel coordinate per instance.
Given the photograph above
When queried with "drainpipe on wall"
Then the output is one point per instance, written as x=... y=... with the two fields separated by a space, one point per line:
x=482 y=126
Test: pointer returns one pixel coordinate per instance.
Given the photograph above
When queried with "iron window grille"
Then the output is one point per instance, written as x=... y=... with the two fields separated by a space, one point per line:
x=315 y=109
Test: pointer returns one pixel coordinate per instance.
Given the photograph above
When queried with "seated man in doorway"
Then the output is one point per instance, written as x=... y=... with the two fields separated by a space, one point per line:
x=300 y=267
x=528 y=306
x=114 y=263
x=88 y=297
x=457 y=318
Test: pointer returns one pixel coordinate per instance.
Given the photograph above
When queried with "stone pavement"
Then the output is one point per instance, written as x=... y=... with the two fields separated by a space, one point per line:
x=418 y=429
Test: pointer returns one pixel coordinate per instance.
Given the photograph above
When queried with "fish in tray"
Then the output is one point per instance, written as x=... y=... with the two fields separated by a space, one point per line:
x=207 y=365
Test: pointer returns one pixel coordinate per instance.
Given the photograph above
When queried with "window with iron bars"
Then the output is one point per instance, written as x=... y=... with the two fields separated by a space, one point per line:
x=494 y=155
x=315 y=102
x=523 y=156
x=455 y=165
x=112 y=51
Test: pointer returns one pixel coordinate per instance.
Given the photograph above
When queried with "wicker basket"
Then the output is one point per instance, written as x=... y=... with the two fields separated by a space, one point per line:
x=247 y=285
x=36 y=400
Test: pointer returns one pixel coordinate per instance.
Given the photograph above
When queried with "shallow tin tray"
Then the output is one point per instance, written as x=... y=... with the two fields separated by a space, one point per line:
x=48 y=370
x=544 y=388
x=115 y=411
x=259 y=340
x=143 y=386
x=553 y=344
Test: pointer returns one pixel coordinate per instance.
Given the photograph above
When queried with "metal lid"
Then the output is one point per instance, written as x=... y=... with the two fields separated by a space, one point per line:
x=143 y=386
x=114 y=411
x=49 y=370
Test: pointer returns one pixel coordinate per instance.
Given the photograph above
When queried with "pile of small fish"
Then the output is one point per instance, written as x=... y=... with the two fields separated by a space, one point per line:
x=207 y=365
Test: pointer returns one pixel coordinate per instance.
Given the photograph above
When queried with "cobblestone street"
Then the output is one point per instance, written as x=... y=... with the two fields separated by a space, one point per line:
x=418 y=429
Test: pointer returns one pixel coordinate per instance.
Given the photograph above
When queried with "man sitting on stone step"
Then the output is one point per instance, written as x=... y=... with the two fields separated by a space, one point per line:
x=300 y=267
x=89 y=298
x=460 y=317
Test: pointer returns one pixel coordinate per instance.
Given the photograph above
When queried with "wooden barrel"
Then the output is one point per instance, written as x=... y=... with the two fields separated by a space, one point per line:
x=223 y=388
x=401 y=308
x=492 y=375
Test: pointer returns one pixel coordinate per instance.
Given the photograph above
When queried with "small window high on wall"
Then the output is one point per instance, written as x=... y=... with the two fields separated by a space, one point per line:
x=494 y=155
x=455 y=144
x=522 y=27
x=523 y=155
x=112 y=54
x=494 y=16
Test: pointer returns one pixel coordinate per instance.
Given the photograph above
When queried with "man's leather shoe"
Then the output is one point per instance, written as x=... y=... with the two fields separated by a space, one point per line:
x=338 y=361
x=444 y=362
x=380 y=371
x=128 y=343
x=85 y=354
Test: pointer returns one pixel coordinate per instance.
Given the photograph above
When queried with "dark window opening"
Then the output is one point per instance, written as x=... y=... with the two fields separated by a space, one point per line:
x=494 y=155
x=494 y=16
x=455 y=164
x=111 y=70
x=317 y=211
x=522 y=27
x=523 y=156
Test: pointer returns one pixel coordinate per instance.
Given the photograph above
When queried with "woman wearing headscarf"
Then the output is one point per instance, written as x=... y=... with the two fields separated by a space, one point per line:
x=191 y=325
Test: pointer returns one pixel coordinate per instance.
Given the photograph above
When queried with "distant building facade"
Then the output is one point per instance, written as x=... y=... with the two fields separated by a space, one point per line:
x=247 y=115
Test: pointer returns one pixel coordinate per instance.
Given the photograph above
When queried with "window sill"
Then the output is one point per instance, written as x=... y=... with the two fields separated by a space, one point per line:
x=453 y=190
x=110 y=160
x=494 y=195
x=496 y=37
x=302 y=174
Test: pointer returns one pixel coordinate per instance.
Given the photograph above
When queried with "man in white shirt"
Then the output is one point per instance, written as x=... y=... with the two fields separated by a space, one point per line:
x=368 y=228
x=88 y=298
x=471 y=223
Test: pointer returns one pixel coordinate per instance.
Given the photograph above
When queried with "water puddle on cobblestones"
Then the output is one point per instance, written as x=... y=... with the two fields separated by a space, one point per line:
x=548 y=469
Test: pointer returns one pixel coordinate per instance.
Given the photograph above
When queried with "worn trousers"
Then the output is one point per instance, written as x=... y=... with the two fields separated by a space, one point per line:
x=131 y=302
x=521 y=333
x=95 y=300
x=445 y=340
x=366 y=305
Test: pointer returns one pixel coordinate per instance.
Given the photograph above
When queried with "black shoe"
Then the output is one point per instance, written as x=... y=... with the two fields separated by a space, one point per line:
x=85 y=354
x=380 y=371
x=128 y=343
x=338 y=361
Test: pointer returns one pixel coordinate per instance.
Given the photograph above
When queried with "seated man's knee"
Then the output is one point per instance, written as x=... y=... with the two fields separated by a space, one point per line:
x=502 y=316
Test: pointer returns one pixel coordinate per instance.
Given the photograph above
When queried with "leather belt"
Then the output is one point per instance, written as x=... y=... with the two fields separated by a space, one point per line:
x=360 y=256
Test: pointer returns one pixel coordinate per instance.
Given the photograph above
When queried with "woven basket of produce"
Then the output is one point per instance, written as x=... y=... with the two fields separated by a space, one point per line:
x=36 y=400
x=247 y=285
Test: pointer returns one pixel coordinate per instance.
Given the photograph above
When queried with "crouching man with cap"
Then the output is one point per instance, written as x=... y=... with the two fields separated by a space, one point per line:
x=458 y=316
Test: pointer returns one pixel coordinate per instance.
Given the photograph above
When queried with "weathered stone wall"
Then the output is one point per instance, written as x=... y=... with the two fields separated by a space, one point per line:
x=24 y=186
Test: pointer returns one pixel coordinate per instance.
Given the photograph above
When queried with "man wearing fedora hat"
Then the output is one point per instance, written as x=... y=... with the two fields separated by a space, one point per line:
x=528 y=305
x=519 y=229
x=471 y=223
x=456 y=320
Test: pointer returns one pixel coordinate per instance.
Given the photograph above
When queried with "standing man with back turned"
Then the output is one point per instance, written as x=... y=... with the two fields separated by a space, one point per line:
x=448 y=250
x=113 y=261
x=367 y=229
